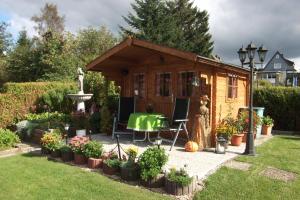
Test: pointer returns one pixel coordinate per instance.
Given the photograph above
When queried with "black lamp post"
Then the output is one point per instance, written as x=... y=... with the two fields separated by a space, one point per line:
x=251 y=51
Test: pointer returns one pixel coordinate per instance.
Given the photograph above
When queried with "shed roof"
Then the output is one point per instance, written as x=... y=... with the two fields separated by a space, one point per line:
x=132 y=52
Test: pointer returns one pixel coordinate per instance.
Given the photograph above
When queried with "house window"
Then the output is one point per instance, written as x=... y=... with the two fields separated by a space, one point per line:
x=271 y=75
x=277 y=65
x=185 y=87
x=277 y=56
x=232 y=86
x=163 y=84
x=139 y=85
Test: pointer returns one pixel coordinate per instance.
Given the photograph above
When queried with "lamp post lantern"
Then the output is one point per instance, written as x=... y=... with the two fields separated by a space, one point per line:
x=251 y=51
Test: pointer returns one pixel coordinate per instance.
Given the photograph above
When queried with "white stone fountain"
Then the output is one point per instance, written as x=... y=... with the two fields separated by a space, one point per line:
x=80 y=97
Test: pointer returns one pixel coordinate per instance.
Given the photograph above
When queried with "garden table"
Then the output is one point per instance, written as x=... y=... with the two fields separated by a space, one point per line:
x=145 y=122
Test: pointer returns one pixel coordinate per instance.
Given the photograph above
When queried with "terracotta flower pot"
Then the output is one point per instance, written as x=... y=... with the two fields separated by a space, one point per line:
x=55 y=153
x=177 y=189
x=266 y=130
x=109 y=170
x=236 y=140
x=94 y=163
x=130 y=173
x=156 y=182
x=80 y=159
x=67 y=156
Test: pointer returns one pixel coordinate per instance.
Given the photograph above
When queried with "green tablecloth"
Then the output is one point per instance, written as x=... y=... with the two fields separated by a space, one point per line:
x=147 y=122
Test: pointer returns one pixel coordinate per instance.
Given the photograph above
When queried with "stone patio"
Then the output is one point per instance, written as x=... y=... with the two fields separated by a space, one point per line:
x=199 y=164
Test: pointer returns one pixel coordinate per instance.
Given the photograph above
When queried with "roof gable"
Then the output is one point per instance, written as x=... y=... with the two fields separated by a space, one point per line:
x=279 y=63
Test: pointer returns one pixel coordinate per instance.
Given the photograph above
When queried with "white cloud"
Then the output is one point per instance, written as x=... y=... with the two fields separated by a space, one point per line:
x=18 y=23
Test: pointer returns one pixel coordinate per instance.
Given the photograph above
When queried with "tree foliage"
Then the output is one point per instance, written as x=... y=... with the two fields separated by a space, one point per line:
x=49 y=20
x=176 y=23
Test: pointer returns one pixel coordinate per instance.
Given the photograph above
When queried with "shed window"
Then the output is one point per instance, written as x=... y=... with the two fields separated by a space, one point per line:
x=139 y=85
x=163 y=84
x=232 y=86
x=185 y=87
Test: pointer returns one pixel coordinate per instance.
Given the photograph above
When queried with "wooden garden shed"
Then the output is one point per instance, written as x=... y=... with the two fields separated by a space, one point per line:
x=157 y=74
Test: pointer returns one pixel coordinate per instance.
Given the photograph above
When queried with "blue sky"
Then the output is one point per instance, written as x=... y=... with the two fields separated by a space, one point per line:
x=233 y=23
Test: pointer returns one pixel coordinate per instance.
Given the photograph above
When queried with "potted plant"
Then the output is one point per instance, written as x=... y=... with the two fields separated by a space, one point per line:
x=50 y=143
x=222 y=132
x=178 y=182
x=267 y=125
x=244 y=120
x=151 y=163
x=93 y=150
x=77 y=144
x=111 y=166
x=235 y=129
x=129 y=168
x=66 y=153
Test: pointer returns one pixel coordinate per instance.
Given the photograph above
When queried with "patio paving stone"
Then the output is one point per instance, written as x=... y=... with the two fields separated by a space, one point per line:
x=199 y=164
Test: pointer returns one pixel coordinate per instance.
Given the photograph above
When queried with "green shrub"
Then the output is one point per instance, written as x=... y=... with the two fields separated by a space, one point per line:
x=20 y=99
x=65 y=148
x=93 y=149
x=113 y=163
x=180 y=177
x=151 y=162
x=268 y=121
x=7 y=138
x=282 y=104
x=57 y=100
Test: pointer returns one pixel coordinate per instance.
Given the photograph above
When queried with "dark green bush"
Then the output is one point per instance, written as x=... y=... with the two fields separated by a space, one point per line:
x=7 y=138
x=282 y=104
x=151 y=162
x=57 y=100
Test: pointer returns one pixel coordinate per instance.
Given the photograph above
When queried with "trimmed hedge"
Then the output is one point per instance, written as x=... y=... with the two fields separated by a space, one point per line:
x=19 y=98
x=282 y=104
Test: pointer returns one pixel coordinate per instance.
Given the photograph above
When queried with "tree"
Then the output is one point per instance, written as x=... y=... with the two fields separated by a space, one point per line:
x=20 y=60
x=49 y=20
x=92 y=42
x=175 y=23
x=5 y=39
x=5 y=44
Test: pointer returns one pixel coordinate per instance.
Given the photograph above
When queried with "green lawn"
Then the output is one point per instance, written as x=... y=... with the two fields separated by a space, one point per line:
x=29 y=177
x=282 y=152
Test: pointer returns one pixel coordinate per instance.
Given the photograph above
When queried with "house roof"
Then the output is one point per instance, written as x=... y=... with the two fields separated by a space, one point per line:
x=291 y=64
x=131 y=52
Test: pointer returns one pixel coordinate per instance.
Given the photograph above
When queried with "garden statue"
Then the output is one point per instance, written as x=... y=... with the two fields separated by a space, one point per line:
x=80 y=80
x=202 y=130
x=80 y=97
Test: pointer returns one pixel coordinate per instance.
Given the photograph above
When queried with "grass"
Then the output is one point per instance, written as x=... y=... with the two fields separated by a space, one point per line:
x=282 y=152
x=32 y=177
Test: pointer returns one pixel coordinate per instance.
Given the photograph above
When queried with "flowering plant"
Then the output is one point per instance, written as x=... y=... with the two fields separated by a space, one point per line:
x=132 y=152
x=93 y=149
x=243 y=118
x=51 y=141
x=77 y=144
